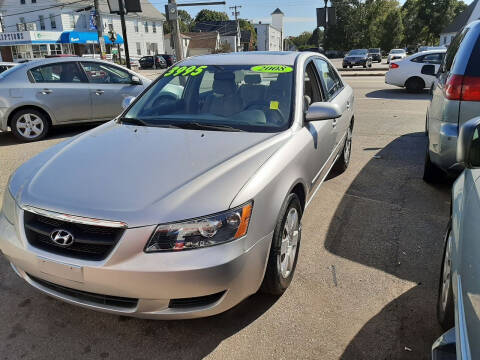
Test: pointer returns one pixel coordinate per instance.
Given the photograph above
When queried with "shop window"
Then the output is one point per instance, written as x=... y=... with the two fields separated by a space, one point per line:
x=53 y=23
x=72 y=21
x=55 y=49
x=41 y=20
x=39 y=51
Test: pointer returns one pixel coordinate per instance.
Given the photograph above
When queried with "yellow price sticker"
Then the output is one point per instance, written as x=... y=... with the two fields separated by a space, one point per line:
x=274 y=105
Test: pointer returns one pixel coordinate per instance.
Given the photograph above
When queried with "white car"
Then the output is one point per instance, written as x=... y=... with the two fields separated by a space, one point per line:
x=396 y=54
x=416 y=72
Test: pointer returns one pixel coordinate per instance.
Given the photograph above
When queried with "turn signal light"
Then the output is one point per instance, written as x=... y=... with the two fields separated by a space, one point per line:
x=394 y=66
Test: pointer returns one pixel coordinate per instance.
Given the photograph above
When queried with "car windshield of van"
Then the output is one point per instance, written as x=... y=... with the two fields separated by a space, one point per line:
x=358 y=52
x=255 y=98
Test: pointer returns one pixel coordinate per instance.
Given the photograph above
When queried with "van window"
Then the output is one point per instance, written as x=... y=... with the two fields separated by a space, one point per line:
x=452 y=50
x=473 y=66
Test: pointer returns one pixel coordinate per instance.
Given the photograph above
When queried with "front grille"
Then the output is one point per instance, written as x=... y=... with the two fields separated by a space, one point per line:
x=91 y=242
x=116 y=301
x=195 y=301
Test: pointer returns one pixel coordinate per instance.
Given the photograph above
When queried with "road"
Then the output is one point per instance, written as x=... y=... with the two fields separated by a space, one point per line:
x=366 y=280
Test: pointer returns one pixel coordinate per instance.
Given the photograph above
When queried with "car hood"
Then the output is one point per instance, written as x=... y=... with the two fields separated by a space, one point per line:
x=143 y=175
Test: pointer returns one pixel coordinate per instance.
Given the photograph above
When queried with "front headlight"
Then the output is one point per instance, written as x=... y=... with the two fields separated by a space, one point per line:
x=8 y=206
x=201 y=232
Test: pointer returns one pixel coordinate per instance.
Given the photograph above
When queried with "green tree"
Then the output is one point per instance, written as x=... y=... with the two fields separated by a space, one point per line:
x=392 y=34
x=246 y=25
x=301 y=40
x=210 y=15
x=316 y=38
x=185 y=22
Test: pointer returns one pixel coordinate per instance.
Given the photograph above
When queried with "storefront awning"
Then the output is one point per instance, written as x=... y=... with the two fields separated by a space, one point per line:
x=87 y=37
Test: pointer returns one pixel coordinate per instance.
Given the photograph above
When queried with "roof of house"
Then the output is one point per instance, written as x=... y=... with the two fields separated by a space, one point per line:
x=277 y=11
x=224 y=28
x=167 y=36
x=148 y=10
x=460 y=20
x=203 y=40
x=246 y=36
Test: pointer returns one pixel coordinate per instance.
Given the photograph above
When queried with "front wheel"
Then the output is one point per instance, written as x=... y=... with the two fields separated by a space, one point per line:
x=445 y=304
x=284 y=250
x=344 y=159
x=29 y=125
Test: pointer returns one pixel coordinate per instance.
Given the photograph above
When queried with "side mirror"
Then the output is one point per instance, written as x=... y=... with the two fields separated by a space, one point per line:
x=136 y=80
x=323 y=111
x=468 y=144
x=428 y=70
x=127 y=101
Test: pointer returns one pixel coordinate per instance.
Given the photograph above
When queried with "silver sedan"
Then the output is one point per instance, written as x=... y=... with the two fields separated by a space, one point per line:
x=192 y=199
x=38 y=94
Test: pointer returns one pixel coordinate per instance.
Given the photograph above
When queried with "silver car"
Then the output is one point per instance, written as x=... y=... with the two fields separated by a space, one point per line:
x=455 y=100
x=41 y=93
x=459 y=299
x=192 y=199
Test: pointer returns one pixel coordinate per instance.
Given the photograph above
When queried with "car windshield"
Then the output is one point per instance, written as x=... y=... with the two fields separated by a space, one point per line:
x=218 y=97
x=397 y=51
x=358 y=52
x=374 y=51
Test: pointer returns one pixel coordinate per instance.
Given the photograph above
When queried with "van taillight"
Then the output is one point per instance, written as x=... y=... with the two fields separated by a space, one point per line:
x=471 y=88
x=464 y=88
x=453 y=87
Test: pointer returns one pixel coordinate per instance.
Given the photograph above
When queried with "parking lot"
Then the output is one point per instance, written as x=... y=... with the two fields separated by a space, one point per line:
x=366 y=280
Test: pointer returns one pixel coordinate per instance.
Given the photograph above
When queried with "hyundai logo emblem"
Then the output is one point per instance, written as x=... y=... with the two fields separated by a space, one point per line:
x=61 y=237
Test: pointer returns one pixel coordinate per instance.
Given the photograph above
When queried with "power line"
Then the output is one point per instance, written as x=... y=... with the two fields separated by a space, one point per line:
x=235 y=12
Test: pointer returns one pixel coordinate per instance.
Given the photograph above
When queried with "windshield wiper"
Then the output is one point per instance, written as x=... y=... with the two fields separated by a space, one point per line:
x=200 y=126
x=139 y=122
x=133 y=121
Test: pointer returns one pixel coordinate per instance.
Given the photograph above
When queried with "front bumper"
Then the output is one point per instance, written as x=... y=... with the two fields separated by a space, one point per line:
x=155 y=280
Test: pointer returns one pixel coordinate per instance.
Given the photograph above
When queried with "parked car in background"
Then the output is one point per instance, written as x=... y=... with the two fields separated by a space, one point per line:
x=170 y=59
x=396 y=54
x=60 y=56
x=458 y=305
x=357 y=57
x=4 y=66
x=455 y=100
x=426 y=48
x=201 y=192
x=415 y=72
x=146 y=62
x=42 y=93
x=375 y=54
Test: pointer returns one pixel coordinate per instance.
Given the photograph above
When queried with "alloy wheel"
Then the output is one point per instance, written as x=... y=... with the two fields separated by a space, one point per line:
x=290 y=235
x=29 y=126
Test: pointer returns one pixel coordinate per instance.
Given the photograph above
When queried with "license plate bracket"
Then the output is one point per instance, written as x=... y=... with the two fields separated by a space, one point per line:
x=61 y=270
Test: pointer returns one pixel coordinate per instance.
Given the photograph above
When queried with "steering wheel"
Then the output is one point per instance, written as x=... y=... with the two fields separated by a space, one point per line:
x=274 y=116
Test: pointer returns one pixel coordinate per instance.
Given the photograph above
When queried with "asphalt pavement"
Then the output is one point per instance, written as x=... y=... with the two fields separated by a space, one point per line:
x=366 y=280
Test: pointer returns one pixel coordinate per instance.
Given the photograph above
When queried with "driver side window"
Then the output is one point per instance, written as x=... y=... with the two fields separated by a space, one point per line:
x=311 y=88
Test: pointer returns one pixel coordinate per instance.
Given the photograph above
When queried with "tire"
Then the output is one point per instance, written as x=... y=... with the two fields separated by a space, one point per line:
x=344 y=159
x=29 y=125
x=344 y=66
x=365 y=65
x=432 y=173
x=351 y=66
x=281 y=266
x=370 y=65
x=445 y=303
x=414 y=85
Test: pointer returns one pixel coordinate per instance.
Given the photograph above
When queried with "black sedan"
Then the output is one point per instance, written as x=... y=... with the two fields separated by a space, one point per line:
x=170 y=59
x=376 y=54
x=357 y=57
x=146 y=62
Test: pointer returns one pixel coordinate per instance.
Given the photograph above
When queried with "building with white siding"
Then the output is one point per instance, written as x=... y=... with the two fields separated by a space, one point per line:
x=64 y=27
x=270 y=36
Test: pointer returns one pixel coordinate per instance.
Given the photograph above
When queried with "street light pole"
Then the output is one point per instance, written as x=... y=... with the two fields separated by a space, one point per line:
x=124 y=33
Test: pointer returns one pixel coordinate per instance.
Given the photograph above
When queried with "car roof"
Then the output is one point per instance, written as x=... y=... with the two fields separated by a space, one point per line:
x=247 y=58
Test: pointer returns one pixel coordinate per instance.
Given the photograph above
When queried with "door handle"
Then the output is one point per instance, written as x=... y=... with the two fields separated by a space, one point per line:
x=46 y=91
x=99 y=92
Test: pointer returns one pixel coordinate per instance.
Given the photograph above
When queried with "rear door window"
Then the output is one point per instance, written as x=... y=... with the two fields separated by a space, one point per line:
x=64 y=72
x=473 y=66
x=452 y=50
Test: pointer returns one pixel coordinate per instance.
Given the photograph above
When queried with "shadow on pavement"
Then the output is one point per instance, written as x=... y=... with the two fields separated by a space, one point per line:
x=398 y=94
x=56 y=132
x=391 y=220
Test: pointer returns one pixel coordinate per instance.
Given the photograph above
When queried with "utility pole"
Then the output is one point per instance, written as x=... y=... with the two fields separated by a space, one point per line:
x=124 y=33
x=235 y=12
x=98 y=22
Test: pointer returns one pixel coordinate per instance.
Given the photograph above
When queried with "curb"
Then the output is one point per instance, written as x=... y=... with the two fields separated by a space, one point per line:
x=360 y=74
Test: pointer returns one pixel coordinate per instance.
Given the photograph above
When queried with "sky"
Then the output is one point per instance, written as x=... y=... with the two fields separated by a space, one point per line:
x=300 y=15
